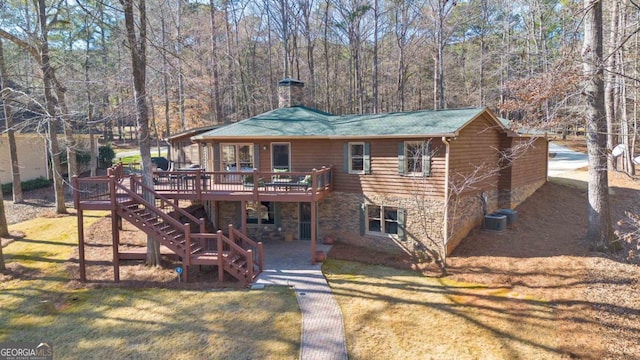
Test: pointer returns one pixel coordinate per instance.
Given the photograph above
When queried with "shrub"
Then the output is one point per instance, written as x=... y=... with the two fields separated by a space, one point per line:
x=28 y=185
x=105 y=156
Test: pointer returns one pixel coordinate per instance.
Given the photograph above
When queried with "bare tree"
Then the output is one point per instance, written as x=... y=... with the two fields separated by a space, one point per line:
x=599 y=231
x=137 y=41
x=217 y=105
x=41 y=54
x=8 y=116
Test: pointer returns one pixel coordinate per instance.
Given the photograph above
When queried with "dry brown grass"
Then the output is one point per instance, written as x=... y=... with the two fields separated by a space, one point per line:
x=397 y=314
x=39 y=303
x=533 y=291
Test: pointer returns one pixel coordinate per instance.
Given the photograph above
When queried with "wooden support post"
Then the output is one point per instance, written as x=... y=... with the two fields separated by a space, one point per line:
x=256 y=183
x=115 y=231
x=186 y=260
x=220 y=257
x=80 y=218
x=243 y=216
x=314 y=230
x=230 y=228
x=314 y=184
x=198 y=184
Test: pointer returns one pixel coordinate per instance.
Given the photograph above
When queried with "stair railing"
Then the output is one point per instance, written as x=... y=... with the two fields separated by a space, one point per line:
x=164 y=201
x=165 y=217
x=234 y=248
x=246 y=243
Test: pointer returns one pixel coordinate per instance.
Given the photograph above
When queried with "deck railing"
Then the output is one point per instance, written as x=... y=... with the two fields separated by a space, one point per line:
x=198 y=181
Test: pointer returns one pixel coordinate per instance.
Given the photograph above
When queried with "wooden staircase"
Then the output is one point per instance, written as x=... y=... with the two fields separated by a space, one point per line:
x=237 y=255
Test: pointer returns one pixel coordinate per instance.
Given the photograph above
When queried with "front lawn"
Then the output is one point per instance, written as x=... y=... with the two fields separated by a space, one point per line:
x=398 y=314
x=38 y=303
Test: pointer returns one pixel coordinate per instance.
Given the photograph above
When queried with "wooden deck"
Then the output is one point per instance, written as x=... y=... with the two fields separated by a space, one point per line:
x=219 y=186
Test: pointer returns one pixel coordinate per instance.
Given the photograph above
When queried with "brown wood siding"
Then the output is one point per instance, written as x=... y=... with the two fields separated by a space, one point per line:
x=477 y=146
x=384 y=178
x=531 y=167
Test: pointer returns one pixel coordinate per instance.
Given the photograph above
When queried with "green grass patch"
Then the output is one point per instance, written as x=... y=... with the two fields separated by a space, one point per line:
x=129 y=159
x=396 y=314
x=121 y=323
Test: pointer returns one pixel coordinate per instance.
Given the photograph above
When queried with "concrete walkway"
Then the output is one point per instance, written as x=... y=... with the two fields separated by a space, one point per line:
x=289 y=264
x=564 y=160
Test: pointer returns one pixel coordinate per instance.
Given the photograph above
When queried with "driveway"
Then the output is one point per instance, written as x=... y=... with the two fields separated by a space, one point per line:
x=562 y=159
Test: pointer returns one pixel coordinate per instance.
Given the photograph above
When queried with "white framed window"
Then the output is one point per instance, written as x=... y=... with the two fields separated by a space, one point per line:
x=416 y=158
x=237 y=157
x=356 y=158
x=383 y=220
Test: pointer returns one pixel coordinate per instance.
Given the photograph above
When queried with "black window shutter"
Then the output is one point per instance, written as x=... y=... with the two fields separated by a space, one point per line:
x=345 y=157
x=401 y=158
x=367 y=158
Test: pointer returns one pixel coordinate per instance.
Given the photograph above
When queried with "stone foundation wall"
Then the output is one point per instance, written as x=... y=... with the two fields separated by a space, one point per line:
x=340 y=217
x=466 y=213
x=289 y=214
x=514 y=197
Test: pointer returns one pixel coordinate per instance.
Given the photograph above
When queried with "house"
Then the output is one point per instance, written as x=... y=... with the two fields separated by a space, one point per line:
x=391 y=174
x=400 y=181
x=182 y=151
x=33 y=156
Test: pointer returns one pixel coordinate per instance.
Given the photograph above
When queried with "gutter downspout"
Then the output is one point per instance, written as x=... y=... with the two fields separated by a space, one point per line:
x=445 y=227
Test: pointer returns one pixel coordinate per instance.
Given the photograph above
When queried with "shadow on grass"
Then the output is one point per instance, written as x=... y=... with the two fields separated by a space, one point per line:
x=518 y=321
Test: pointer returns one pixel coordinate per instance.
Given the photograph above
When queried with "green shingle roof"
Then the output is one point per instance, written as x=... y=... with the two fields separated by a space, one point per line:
x=301 y=121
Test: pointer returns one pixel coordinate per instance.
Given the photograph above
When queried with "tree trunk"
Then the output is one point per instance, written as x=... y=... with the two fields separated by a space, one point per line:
x=137 y=47
x=599 y=231
x=217 y=107
x=183 y=120
x=4 y=231
x=610 y=87
x=8 y=116
x=165 y=81
x=374 y=61
x=92 y=149
x=51 y=103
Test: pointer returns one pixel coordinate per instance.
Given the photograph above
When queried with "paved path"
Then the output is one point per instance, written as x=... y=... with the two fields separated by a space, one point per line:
x=289 y=263
x=564 y=160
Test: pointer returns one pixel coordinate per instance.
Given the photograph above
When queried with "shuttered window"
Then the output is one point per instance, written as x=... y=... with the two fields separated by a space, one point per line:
x=357 y=158
x=414 y=158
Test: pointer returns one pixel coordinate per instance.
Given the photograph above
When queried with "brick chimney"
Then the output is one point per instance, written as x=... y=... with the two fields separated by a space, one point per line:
x=290 y=93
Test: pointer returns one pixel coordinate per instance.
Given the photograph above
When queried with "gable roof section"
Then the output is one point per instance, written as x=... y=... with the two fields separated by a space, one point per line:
x=305 y=122
x=187 y=134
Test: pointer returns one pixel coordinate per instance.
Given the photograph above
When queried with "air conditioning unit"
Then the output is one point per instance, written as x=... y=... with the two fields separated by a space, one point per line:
x=512 y=215
x=495 y=222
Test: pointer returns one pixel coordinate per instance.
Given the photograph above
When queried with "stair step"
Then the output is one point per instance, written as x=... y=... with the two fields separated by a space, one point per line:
x=195 y=251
